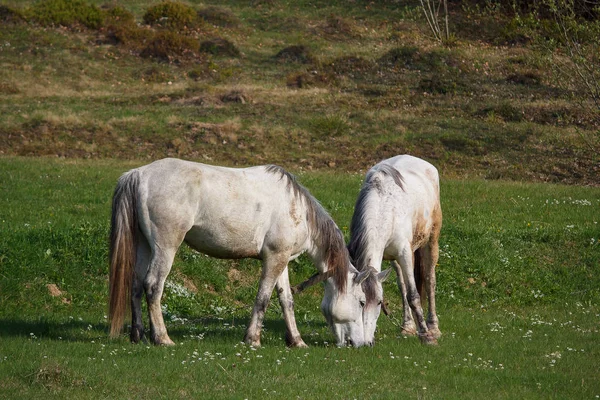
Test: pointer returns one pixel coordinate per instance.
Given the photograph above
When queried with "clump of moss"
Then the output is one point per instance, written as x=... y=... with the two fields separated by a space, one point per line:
x=305 y=80
x=172 y=15
x=167 y=46
x=118 y=14
x=219 y=16
x=69 y=13
x=340 y=27
x=8 y=14
x=220 y=47
x=297 y=53
x=351 y=66
x=120 y=28
x=527 y=79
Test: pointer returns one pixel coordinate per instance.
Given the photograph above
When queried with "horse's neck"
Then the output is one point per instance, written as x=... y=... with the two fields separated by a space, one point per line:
x=373 y=230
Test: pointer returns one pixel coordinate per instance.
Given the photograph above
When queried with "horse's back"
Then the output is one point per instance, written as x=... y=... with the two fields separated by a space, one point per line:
x=415 y=168
x=224 y=212
x=417 y=203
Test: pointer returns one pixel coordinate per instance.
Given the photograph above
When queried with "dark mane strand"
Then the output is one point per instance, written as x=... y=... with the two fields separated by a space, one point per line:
x=323 y=229
x=369 y=286
x=358 y=233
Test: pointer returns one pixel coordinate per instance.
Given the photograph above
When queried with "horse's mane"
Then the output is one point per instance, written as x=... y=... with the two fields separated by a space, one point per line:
x=358 y=232
x=322 y=227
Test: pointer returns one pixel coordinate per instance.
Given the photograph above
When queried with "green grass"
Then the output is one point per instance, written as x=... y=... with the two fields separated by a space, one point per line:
x=518 y=294
x=518 y=279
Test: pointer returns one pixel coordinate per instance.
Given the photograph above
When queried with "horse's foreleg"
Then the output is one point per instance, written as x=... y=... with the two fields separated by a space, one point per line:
x=412 y=296
x=286 y=300
x=154 y=283
x=271 y=270
x=408 y=324
x=430 y=259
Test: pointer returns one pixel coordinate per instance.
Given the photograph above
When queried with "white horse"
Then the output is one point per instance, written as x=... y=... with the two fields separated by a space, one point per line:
x=259 y=212
x=398 y=217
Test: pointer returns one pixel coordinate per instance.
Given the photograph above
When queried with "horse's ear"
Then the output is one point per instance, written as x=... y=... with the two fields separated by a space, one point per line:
x=361 y=276
x=383 y=275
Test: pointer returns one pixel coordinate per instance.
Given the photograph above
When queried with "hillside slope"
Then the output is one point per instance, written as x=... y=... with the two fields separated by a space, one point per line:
x=305 y=84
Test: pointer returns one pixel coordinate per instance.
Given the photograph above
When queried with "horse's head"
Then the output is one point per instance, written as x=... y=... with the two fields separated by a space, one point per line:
x=373 y=289
x=343 y=309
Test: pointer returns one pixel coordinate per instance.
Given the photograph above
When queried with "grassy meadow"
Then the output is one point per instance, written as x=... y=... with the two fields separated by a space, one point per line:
x=518 y=294
x=325 y=89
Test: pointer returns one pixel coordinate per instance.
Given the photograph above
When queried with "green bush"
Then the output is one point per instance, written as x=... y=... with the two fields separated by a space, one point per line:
x=220 y=47
x=400 y=56
x=171 y=15
x=167 y=44
x=297 y=53
x=120 y=28
x=69 y=13
x=219 y=16
x=119 y=14
x=8 y=14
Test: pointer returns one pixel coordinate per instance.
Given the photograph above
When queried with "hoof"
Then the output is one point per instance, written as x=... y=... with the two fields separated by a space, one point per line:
x=409 y=331
x=428 y=339
x=435 y=332
x=294 y=342
x=252 y=342
x=163 y=341
x=298 y=345
x=137 y=335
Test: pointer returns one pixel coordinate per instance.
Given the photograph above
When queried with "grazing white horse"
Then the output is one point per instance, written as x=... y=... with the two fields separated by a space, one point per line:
x=258 y=212
x=398 y=217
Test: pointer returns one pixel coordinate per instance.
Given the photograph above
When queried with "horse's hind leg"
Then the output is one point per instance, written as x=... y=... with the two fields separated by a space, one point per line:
x=286 y=300
x=430 y=254
x=273 y=266
x=154 y=282
x=137 y=290
x=408 y=324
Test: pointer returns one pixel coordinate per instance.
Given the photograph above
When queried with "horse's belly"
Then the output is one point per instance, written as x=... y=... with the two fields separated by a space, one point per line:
x=223 y=244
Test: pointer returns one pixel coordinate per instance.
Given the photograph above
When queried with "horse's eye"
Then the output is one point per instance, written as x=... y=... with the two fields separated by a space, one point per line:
x=362 y=304
x=380 y=302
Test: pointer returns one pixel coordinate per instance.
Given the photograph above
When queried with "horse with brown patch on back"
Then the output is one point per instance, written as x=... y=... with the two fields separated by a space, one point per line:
x=398 y=217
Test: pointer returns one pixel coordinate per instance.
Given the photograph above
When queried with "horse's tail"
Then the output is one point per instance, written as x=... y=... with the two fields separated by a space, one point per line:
x=123 y=240
x=419 y=272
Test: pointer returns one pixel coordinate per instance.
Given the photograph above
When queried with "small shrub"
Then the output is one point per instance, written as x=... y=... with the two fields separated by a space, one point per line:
x=298 y=54
x=219 y=16
x=167 y=44
x=528 y=79
x=235 y=96
x=118 y=14
x=339 y=26
x=69 y=13
x=304 y=80
x=438 y=84
x=505 y=111
x=120 y=28
x=330 y=126
x=410 y=57
x=8 y=88
x=155 y=75
x=11 y=15
x=352 y=66
x=219 y=47
x=400 y=56
x=171 y=15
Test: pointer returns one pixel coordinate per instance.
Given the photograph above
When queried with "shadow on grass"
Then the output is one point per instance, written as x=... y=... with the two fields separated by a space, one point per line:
x=215 y=330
